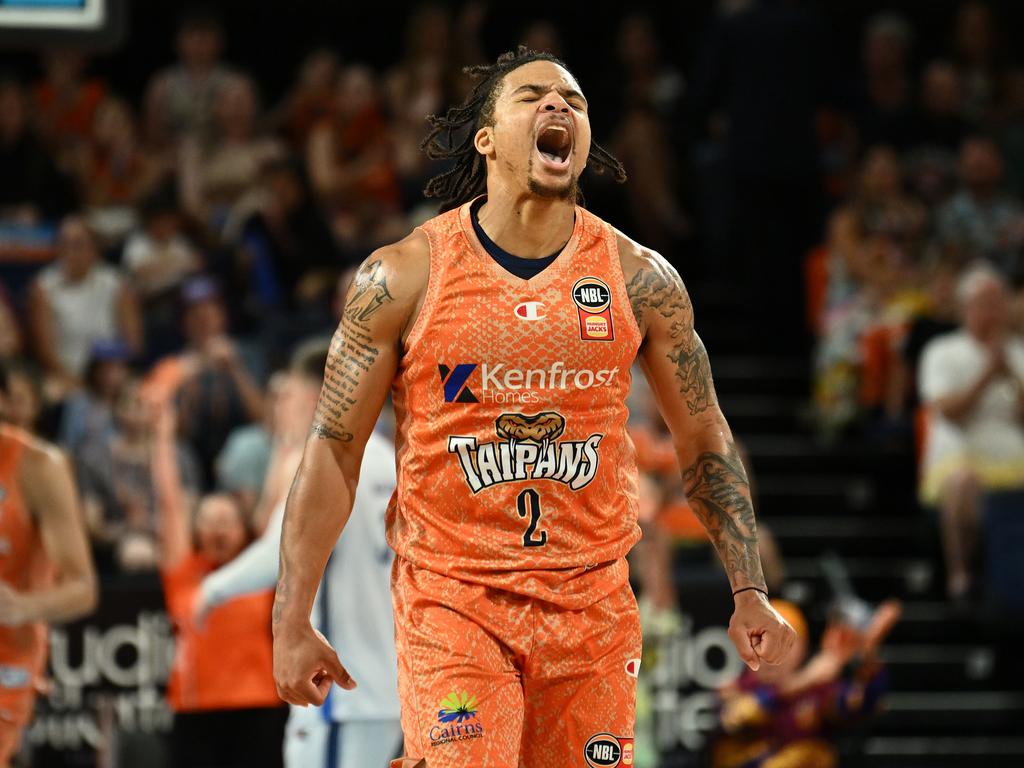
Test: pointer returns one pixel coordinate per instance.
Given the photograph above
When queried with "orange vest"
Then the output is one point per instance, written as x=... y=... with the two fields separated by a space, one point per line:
x=229 y=663
x=23 y=566
x=515 y=469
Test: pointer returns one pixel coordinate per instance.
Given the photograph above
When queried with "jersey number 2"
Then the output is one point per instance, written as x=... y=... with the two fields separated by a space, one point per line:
x=528 y=504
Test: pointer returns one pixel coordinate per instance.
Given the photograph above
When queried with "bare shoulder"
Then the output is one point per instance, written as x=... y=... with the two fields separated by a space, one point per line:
x=653 y=284
x=391 y=281
x=43 y=464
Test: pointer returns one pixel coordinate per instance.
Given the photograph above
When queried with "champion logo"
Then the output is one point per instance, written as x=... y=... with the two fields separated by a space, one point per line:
x=633 y=667
x=529 y=310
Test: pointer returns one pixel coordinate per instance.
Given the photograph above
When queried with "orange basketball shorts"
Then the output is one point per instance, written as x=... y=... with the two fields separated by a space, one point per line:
x=16 y=706
x=491 y=679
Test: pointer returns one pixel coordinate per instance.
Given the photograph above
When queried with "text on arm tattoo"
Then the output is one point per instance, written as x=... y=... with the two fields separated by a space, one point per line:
x=353 y=352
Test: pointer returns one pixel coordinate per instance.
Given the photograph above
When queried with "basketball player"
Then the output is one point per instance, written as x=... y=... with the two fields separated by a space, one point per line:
x=352 y=607
x=46 y=572
x=505 y=329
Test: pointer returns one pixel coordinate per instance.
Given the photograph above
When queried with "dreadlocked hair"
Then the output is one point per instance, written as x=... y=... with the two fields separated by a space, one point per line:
x=451 y=135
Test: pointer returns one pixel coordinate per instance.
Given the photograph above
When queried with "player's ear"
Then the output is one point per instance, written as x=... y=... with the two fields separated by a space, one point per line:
x=484 y=141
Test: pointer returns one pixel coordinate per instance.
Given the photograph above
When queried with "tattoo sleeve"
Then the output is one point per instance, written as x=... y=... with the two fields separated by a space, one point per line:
x=353 y=352
x=715 y=482
x=659 y=290
x=719 y=494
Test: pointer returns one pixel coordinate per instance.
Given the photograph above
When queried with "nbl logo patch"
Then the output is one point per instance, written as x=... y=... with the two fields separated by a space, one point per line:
x=606 y=751
x=593 y=300
x=456 y=390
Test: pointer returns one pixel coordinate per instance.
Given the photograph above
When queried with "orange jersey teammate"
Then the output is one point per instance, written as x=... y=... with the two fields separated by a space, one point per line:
x=46 y=571
x=518 y=636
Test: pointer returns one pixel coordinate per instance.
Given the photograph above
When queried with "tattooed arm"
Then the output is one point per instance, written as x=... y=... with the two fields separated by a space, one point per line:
x=676 y=364
x=380 y=306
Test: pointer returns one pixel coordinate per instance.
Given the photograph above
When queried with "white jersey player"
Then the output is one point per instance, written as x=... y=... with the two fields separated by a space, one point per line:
x=358 y=728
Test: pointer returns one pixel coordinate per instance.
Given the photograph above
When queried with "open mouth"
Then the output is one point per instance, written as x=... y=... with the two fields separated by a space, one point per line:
x=554 y=143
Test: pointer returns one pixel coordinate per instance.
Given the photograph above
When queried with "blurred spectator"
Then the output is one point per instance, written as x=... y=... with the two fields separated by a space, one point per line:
x=350 y=162
x=419 y=85
x=10 y=331
x=117 y=483
x=1011 y=135
x=975 y=41
x=972 y=380
x=31 y=186
x=180 y=99
x=939 y=131
x=24 y=397
x=980 y=221
x=939 y=119
x=158 y=257
x=884 y=104
x=217 y=173
x=286 y=248
x=243 y=463
x=77 y=301
x=88 y=414
x=65 y=102
x=642 y=139
x=874 y=245
x=311 y=98
x=790 y=714
x=938 y=317
x=210 y=382
x=115 y=169
x=428 y=43
x=221 y=687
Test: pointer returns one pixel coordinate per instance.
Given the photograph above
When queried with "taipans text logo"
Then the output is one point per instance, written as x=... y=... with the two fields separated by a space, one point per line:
x=457 y=720
x=501 y=383
x=528 y=449
x=606 y=751
x=593 y=300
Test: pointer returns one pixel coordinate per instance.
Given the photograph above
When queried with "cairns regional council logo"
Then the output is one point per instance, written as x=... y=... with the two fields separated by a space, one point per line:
x=457 y=720
x=528 y=448
x=606 y=751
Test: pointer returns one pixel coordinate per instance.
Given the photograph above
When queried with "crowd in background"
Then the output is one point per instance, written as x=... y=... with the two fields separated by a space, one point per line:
x=172 y=250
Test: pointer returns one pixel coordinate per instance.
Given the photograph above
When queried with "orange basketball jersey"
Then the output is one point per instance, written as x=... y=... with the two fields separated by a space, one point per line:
x=23 y=566
x=515 y=469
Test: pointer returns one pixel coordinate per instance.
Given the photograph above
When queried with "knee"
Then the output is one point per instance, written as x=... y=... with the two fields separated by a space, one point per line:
x=961 y=486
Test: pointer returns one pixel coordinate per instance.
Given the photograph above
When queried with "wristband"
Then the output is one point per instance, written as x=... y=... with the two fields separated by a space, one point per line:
x=747 y=589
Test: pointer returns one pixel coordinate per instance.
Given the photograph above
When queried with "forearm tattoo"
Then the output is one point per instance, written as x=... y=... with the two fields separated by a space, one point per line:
x=719 y=494
x=659 y=289
x=353 y=353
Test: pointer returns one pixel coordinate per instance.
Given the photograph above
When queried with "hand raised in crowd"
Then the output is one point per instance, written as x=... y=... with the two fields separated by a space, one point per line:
x=222 y=352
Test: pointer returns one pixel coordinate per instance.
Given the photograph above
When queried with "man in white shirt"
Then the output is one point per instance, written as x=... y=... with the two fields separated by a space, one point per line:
x=358 y=728
x=972 y=381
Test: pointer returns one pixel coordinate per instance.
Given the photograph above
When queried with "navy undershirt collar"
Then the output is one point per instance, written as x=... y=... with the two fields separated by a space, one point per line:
x=517 y=265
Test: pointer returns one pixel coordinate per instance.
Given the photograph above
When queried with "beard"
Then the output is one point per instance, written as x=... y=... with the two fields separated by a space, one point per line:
x=567 y=190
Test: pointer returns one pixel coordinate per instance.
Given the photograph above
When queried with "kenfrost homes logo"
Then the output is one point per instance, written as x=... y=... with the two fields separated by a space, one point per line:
x=457 y=720
x=501 y=383
x=528 y=449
